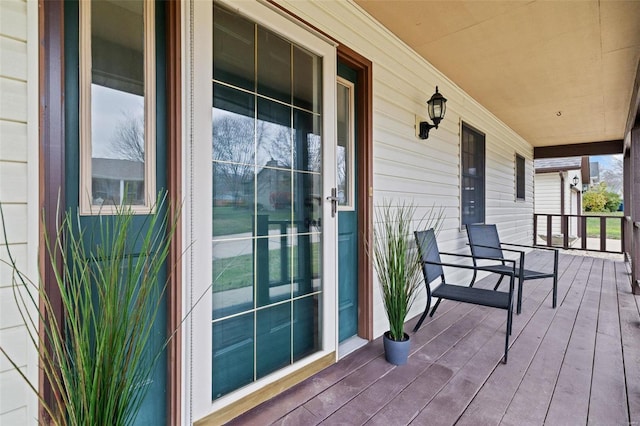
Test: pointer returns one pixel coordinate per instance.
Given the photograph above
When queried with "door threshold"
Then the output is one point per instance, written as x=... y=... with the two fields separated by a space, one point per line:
x=349 y=345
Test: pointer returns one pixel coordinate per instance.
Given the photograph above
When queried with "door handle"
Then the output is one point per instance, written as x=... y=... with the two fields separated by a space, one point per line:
x=334 y=201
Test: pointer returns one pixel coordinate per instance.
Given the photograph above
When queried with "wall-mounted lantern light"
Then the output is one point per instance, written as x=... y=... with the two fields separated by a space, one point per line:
x=436 y=106
x=576 y=180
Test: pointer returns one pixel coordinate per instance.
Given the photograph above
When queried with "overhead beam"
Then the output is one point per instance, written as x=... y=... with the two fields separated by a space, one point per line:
x=579 y=149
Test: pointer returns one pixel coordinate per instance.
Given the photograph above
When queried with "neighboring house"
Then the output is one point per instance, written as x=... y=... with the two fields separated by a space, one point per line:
x=558 y=191
x=273 y=92
x=594 y=176
x=114 y=180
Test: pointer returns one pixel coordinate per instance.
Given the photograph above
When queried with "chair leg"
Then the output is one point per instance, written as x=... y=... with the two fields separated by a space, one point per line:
x=498 y=283
x=433 y=311
x=424 y=314
x=519 y=297
x=508 y=332
x=555 y=290
x=473 y=279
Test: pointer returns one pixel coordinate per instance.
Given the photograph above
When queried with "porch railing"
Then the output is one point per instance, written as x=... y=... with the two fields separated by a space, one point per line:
x=572 y=231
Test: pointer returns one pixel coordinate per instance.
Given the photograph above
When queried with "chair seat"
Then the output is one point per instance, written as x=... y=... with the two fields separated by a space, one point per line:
x=477 y=296
x=528 y=273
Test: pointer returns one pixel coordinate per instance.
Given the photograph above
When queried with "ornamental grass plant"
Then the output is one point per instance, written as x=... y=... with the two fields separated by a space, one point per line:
x=99 y=359
x=396 y=258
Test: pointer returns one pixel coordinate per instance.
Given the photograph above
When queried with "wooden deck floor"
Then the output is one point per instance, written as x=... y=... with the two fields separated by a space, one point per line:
x=577 y=364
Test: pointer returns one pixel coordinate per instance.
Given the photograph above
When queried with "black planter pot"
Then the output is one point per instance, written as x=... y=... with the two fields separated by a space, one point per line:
x=396 y=352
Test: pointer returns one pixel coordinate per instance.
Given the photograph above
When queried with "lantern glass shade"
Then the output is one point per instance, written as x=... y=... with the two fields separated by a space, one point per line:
x=436 y=107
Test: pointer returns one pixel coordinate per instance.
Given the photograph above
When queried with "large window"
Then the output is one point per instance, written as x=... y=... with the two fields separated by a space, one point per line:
x=520 y=178
x=267 y=187
x=117 y=105
x=472 y=175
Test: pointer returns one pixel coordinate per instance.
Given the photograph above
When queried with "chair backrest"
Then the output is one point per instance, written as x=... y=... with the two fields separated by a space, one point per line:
x=484 y=235
x=428 y=249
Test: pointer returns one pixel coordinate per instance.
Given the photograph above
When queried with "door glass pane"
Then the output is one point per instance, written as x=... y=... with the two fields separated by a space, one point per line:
x=233 y=277
x=307 y=136
x=233 y=343
x=306 y=90
x=346 y=138
x=233 y=48
x=233 y=162
x=273 y=339
x=274 y=134
x=267 y=224
x=306 y=330
x=274 y=66
x=117 y=103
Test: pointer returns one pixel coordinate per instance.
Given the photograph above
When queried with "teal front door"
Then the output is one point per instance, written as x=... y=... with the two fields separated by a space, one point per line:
x=347 y=204
x=115 y=139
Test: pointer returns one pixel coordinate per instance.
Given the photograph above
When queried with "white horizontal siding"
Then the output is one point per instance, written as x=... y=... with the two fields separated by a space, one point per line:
x=547 y=193
x=425 y=172
x=19 y=198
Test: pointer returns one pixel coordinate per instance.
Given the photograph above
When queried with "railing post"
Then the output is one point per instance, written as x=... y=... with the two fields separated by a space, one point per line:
x=549 y=230
x=623 y=238
x=565 y=231
x=535 y=229
x=603 y=233
x=583 y=231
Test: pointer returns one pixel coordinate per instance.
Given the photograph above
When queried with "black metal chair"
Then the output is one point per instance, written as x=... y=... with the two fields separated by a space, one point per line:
x=432 y=269
x=485 y=242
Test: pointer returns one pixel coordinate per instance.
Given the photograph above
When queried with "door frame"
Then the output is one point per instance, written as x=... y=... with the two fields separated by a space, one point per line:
x=364 y=190
x=51 y=77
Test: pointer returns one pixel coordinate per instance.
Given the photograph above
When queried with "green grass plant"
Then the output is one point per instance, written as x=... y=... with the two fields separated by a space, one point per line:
x=396 y=259
x=99 y=360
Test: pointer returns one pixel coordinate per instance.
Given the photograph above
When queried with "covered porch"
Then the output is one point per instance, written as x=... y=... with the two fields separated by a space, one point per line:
x=576 y=364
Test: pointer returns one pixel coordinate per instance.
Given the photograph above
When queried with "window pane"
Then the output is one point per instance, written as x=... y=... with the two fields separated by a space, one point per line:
x=117 y=103
x=232 y=354
x=306 y=326
x=345 y=145
x=273 y=339
x=520 y=178
x=274 y=134
x=274 y=66
x=233 y=200
x=233 y=127
x=307 y=136
x=233 y=47
x=307 y=80
x=232 y=268
x=273 y=268
x=472 y=179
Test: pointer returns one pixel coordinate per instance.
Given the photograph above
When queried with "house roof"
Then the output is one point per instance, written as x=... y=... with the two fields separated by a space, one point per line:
x=557 y=72
x=557 y=164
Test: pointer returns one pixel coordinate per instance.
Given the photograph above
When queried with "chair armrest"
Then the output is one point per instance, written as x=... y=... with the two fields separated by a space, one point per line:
x=472 y=267
x=536 y=247
x=475 y=268
x=498 y=248
x=499 y=259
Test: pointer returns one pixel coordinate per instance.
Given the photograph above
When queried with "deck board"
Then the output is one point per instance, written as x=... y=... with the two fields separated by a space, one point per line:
x=575 y=364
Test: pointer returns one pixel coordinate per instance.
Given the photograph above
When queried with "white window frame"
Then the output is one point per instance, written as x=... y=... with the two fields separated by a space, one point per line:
x=85 y=185
x=350 y=205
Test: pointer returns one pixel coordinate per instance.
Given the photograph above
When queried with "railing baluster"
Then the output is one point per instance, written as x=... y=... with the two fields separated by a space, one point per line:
x=603 y=233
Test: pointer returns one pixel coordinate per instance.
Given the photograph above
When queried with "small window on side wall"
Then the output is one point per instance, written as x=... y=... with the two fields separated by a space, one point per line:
x=117 y=106
x=520 y=178
x=472 y=175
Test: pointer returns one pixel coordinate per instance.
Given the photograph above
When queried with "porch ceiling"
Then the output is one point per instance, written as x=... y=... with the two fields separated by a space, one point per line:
x=557 y=72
